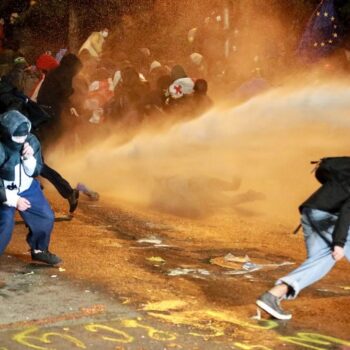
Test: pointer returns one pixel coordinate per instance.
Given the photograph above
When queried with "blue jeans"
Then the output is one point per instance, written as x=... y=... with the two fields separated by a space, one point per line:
x=39 y=218
x=319 y=252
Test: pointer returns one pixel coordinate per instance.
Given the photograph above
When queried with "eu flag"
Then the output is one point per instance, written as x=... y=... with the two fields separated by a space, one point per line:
x=323 y=33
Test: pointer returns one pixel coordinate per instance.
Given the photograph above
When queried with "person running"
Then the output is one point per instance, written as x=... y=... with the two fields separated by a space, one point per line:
x=325 y=218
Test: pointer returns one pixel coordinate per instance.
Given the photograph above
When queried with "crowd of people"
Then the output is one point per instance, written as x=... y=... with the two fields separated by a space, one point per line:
x=90 y=90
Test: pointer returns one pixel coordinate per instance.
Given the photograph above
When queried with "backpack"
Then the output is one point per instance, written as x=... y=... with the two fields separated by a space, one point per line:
x=333 y=169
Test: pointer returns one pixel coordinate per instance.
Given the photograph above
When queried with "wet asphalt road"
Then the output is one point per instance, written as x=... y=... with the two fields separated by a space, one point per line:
x=117 y=292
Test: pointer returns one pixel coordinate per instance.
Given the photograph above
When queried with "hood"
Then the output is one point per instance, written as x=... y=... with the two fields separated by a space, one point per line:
x=196 y=58
x=70 y=64
x=11 y=120
x=178 y=72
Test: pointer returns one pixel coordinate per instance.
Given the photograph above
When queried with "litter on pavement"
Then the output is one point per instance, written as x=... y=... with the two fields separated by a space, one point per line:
x=150 y=240
x=186 y=272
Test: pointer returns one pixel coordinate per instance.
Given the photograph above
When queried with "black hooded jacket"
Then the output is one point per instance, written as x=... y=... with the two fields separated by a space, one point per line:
x=10 y=151
x=9 y=98
x=333 y=197
x=13 y=99
x=57 y=86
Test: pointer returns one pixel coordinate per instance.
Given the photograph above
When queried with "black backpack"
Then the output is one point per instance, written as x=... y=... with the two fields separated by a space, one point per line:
x=333 y=169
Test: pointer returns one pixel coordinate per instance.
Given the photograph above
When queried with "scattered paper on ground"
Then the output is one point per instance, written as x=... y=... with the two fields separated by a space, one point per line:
x=150 y=240
x=185 y=272
x=232 y=258
x=244 y=265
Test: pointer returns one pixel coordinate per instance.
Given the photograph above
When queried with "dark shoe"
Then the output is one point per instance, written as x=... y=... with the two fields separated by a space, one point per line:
x=46 y=257
x=73 y=200
x=271 y=305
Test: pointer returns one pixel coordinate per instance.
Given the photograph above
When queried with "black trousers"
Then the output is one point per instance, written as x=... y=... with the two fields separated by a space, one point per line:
x=62 y=186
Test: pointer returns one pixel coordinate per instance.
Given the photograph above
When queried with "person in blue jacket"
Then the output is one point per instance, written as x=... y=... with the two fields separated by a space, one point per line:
x=20 y=162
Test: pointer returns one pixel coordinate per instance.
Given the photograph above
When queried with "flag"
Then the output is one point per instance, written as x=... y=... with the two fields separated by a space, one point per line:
x=323 y=33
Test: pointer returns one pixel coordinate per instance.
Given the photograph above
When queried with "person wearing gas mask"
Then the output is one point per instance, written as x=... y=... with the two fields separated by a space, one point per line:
x=20 y=163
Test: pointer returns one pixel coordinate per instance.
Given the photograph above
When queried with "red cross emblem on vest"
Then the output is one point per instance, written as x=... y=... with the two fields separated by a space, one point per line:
x=178 y=89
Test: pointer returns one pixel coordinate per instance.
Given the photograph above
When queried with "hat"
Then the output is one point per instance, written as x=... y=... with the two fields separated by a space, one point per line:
x=196 y=58
x=22 y=130
x=46 y=62
x=191 y=36
x=146 y=51
x=154 y=65
x=20 y=60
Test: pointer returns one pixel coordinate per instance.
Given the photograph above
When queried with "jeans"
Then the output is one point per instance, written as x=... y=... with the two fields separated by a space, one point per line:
x=39 y=218
x=318 y=227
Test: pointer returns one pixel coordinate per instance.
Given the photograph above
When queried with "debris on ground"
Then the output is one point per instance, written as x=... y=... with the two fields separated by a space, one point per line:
x=156 y=259
x=232 y=258
x=325 y=290
x=186 y=272
x=29 y=273
x=246 y=268
x=257 y=316
x=230 y=261
x=241 y=265
x=339 y=290
x=150 y=240
x=275 y=265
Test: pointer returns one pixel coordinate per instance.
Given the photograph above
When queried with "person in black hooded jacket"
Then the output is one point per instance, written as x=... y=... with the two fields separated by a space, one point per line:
x=57 y=87
x=20 y=163
x=54 y=93
x=13 y=98
x=325 y=218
